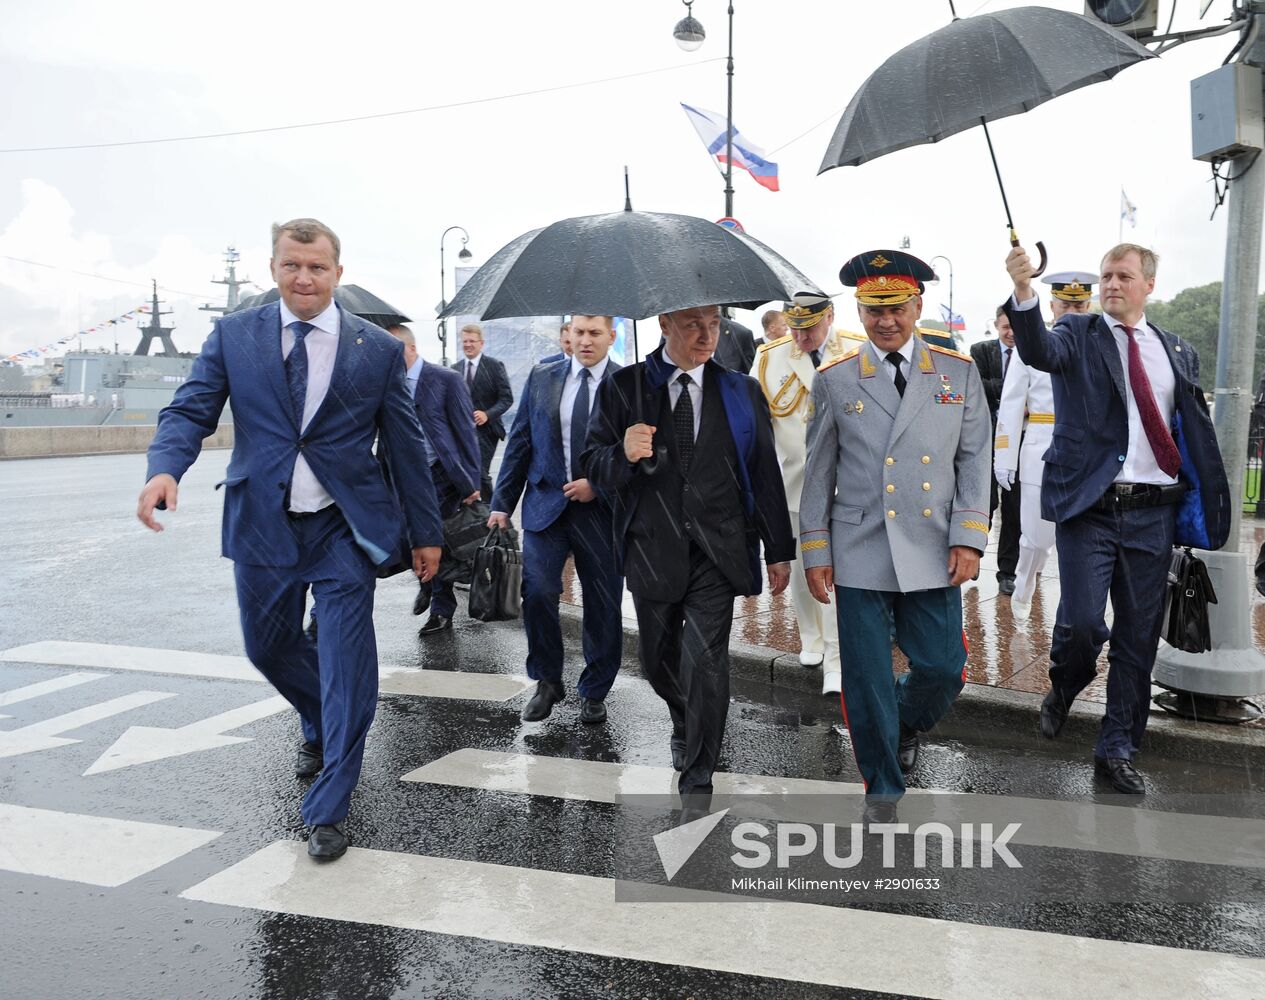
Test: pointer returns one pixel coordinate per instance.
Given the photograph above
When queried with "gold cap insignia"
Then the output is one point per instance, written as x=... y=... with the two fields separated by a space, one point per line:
x=879 y=261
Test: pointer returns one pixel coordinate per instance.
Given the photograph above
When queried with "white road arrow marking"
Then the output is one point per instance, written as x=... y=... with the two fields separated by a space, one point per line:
x=43 y=735
x=44 y=687
x=144 y=744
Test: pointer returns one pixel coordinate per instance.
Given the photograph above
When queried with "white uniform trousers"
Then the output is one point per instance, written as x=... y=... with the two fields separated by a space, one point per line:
x=818 y=625
x=1036 y=541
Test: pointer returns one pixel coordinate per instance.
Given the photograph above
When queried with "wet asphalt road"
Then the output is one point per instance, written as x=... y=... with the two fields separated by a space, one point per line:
x=79 y=567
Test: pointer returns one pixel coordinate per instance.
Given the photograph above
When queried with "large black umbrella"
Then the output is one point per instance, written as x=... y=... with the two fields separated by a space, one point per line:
x=353 y=298
x=973 y=71
x=633 y=264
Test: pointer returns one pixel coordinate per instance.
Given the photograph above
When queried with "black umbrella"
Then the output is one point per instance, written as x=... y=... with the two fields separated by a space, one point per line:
x=353 y=298
x=633 y=264
x=973 y=71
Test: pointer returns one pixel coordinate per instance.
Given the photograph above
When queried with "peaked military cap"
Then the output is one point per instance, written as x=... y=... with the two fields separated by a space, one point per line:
x=1071 y=286
x=805 y=310
x=886 y=277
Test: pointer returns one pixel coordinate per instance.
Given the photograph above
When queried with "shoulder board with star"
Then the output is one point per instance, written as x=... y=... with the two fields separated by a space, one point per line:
x=839 y=360
x=953 y=354
x=773 y=343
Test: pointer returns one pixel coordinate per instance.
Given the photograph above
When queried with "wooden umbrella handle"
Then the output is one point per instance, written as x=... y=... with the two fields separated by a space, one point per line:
x=1014 y=242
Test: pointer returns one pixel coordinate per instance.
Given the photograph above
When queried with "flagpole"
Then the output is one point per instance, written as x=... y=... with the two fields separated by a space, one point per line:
x=729 y=122
x=1120 y=225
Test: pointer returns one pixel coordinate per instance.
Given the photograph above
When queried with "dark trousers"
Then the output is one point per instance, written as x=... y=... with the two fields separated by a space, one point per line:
x=929 y=630
x=333 y=682
x=1124 y=554
x=443 y=601
x=582 y=530
x=487 y=448
x=685 y=657
x=1008 y=542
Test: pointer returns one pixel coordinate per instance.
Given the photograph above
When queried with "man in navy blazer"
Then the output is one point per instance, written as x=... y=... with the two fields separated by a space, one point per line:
x=564 y=515
x=452 y=453
x=305 y=500
x=1114 y=477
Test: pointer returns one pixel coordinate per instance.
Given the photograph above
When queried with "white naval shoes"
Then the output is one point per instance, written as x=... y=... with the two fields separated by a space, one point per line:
x=831 y=682
x=1020 y=610
x=807 y=659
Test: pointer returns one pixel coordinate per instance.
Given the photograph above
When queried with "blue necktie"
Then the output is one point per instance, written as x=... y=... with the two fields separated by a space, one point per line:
x=296 y=370
x=579 y=423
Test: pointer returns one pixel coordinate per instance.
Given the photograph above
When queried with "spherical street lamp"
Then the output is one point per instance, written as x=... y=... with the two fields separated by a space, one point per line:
x=689 y=33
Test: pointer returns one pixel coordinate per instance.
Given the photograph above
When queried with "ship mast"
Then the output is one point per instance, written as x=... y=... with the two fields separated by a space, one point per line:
x=231 y=257
x=155 y=330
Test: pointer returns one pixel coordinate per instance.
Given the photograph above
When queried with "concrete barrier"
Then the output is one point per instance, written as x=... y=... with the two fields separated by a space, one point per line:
x=49 y=442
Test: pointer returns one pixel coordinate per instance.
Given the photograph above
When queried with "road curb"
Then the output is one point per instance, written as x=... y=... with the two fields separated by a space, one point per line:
x=981 y=708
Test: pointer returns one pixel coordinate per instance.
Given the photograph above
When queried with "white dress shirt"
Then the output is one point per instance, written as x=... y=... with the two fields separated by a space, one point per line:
x=1139 y=465
x=306 y=492
x=571 y=389
x=906 y=363
x=696 y=388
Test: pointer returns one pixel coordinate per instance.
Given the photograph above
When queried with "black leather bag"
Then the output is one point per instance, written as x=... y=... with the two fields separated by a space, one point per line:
x=1186 y=606
x=496 y=587
x=464 y=532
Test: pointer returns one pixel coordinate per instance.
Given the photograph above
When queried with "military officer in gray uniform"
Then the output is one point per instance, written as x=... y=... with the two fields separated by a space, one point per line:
x=894 y=516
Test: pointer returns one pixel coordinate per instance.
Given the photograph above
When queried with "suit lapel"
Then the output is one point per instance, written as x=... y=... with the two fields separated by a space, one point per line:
x=922 y=385
x=269 y=333
x=802 y=366
x=553 y=402
x=876 y=384
x=1106 y=341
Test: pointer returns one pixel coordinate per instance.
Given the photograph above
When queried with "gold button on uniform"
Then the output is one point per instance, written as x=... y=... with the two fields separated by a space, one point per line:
x=892 y=461
x=891 y=513
x=926 y=460
x=926 y=512
x=926 y=487
x=891 y=488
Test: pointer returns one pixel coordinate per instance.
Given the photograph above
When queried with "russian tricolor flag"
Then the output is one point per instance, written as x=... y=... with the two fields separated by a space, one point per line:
x=711 y=129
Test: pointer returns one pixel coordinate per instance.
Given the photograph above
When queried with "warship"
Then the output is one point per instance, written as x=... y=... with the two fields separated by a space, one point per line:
x=102 y=388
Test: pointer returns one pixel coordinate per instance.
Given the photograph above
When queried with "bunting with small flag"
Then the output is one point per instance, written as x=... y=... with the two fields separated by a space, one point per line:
x=35 y=352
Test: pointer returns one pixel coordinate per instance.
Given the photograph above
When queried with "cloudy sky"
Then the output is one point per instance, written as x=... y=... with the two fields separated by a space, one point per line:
x=81 y=73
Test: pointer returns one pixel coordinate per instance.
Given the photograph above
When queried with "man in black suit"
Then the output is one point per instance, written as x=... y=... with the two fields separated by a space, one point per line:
x=688 y=524
x=735 y=347
x=489 y=388
x=991 y=358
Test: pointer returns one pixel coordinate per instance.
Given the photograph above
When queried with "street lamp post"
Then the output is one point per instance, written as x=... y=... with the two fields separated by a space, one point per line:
x=951 y=313
x=443 y=300
x=689 y=34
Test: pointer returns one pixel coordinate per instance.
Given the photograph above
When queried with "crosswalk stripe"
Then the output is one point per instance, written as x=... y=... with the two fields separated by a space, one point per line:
x=40 y=688
x=98 y=850
x=142 y=659
x=800 y=942
x=1122 y=830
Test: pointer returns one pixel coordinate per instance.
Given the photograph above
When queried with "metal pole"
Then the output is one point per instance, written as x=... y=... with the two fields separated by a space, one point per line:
x=443 y=304
x=1208 y=685
x=729 y=121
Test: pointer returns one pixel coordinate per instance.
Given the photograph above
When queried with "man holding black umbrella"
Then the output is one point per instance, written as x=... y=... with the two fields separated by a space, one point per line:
x=685 y=448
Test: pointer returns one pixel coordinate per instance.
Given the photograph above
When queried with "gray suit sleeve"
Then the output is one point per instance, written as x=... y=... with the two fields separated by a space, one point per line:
x=818 y=493
x=972 y=469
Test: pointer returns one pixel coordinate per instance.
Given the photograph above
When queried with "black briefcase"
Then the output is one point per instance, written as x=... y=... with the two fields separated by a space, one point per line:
x=496 y=587
x=464 y=532
x=1186 y=604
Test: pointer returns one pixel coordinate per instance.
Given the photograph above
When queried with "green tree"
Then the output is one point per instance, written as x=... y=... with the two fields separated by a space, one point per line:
x=1195 y=313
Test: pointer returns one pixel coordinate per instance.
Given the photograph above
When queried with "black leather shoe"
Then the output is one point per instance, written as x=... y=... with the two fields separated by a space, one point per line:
x=1053 y=715
x=592 y=711
x=678 y=754
x=1006 y=585
x=327 y=843
x=1124 y=777
x=310 y=761
x=421 y=603
x=879 y=812
x=907 y=749
x=541 y=704
x=435 y=623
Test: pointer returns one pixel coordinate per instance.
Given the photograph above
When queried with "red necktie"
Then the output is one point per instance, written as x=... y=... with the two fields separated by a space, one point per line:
x=1157 y=433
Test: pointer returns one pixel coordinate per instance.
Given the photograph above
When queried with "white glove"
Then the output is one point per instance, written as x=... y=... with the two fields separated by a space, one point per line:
x=1005 y=478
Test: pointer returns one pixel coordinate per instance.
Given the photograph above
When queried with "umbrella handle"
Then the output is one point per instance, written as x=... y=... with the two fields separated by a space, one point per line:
x=1014 y=242
x=650 y=466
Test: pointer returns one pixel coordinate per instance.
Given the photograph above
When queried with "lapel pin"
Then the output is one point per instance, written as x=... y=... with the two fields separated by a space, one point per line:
x=360 y=340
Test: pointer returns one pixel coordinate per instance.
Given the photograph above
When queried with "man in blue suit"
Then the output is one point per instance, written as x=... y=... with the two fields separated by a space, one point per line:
x=1126 y=403
x=563 y=515
x=452 y=452
x=306 y=503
